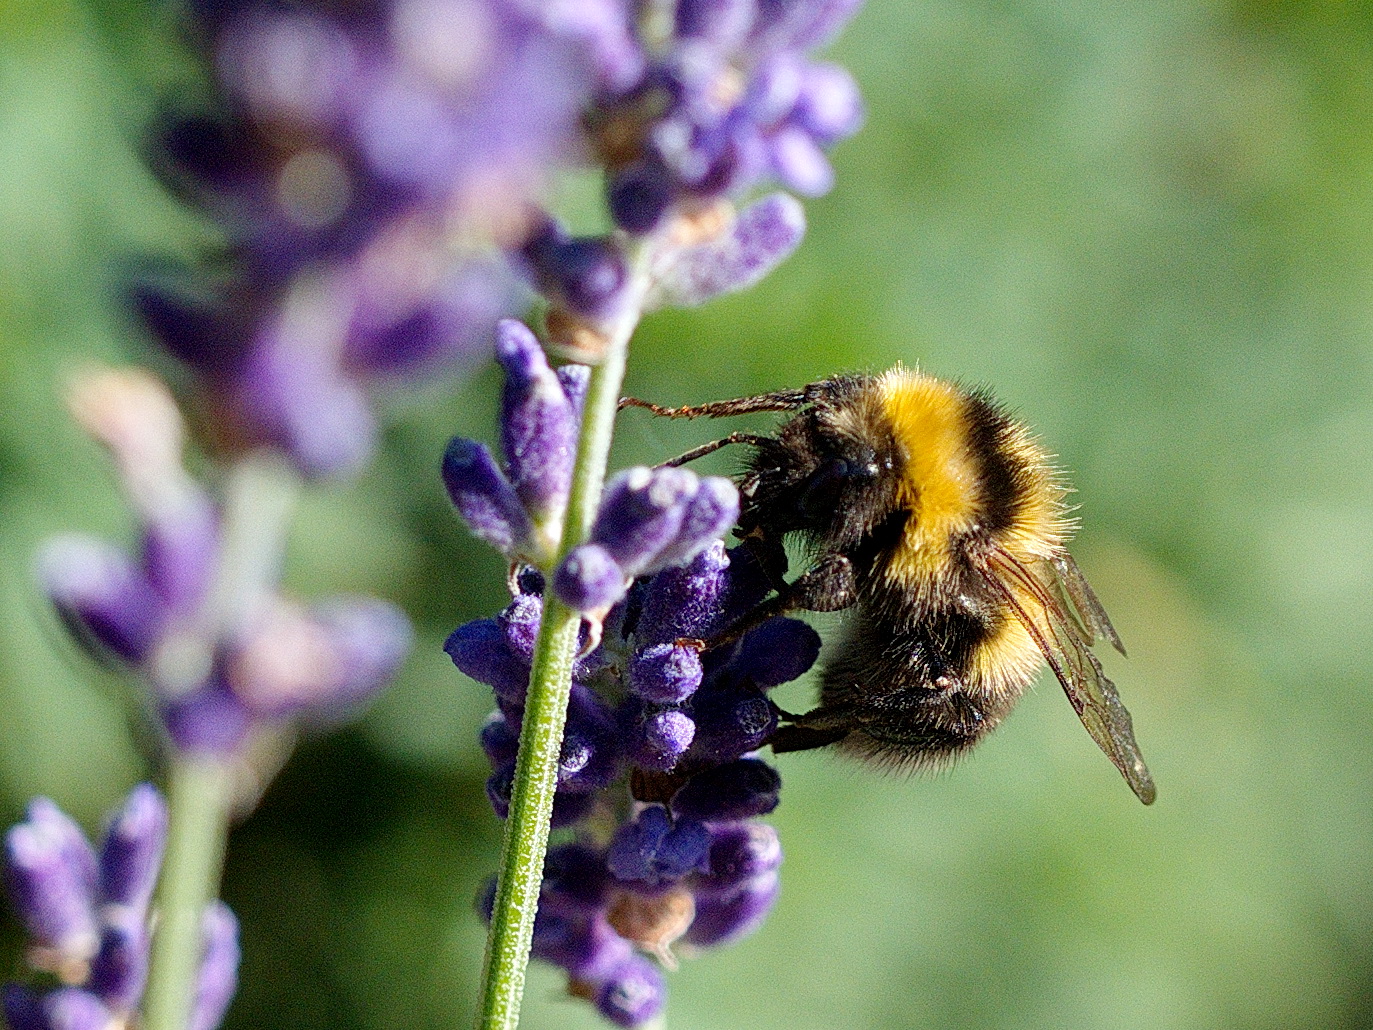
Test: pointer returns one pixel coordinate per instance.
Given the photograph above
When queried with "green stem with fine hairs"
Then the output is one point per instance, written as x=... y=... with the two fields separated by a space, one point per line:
x=259 y=500
x=550 y=685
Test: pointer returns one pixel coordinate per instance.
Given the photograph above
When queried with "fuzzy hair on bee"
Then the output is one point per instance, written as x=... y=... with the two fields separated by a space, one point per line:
x=937 y=520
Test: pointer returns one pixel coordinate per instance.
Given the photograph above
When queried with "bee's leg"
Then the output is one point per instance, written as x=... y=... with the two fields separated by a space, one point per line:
x=803 y=738
x=827 y=587
x=715 y=445
x=781 y=400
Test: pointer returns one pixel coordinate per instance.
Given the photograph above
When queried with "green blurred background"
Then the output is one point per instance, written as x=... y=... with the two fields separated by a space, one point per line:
x=1150 y=228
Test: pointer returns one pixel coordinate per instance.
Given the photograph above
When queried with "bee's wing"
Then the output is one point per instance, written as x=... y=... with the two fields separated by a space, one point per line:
x=1034 y=592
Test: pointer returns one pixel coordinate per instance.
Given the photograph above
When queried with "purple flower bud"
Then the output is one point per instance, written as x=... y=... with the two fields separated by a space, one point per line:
x=132 y=850
x=684 y=600
x=587 y=275
x=738 y=790
x=739 y=854
x=499 y=740
x=538 y=425
x=575 y=874
x=762 y=237
x=721 y=23
x=639 y=195
x=778 y=651
x=774 y=89
x=665 y=673
x=23 y=1009
x=196 y=330
x=658 y=740
x=211 y=719
x=70 y=1008
x=709 y=514
x=180 y=548
x=303 y=403
x=519 y=622
x=800 y=163
x=580 y=942
x=568 y=807
x=731 y=720
x=369 y=639
x=120 y=968
x=589 y=578
x=575 y=380
x=479 y=649
x=653 y=849
x=218 y=968
x=483 y=496
x=105 y=601
x=802 y=25
x=727 y=917
x=590 y=756
x=51 y=874
x=633 y=994
x=830 y=106
x=641 y=514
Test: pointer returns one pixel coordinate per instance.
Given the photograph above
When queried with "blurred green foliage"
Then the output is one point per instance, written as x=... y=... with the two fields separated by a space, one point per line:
x=1150 y=228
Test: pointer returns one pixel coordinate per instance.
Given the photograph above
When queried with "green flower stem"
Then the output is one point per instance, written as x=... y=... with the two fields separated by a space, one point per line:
x=550 y=686
x=259 y=501
x=199 y=795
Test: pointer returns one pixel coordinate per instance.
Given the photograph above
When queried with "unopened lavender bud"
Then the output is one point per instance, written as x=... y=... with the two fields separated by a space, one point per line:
x=830 y=106
x=800 y=163
x=737 y=790
x=103 y=598
x=665 y=673
x=778 y=651
x=120 y=968
x=655 y=849
x=722 y=23
x=709 y=514
x=684 y=600
x=727 y=917
x=209 y=720
x=499 y=740
x=739 y=853
x=51 y=874
x=639 y=195
x=590 y=756
x=589 y=578
x=218 y=977
x=132 y=850
x=484 y=497
x=70 y=1008
x=641 y=514
x=587 y=275
x=23 y=1008
x=731 y=720
x=479 y=649
x=520 y=624
x=659 y=739
x=575 y=873
x=180 y=548
x=538 y=423
x=633 y=994
x=369 y=640
x=568 y=807
x=575 y=380
x=763 y=236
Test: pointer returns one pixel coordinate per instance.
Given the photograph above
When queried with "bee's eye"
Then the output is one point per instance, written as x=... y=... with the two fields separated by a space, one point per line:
x=827 y=484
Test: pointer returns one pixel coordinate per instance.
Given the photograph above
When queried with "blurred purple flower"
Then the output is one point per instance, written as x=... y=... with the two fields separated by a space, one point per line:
x=89 y=919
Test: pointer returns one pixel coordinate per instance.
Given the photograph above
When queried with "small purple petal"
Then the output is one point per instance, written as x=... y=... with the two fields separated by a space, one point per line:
x=778 y=651
x=218 y=979
x=709 y=515
x=665 y=673
x=830 y=107
x=633 y=994
x=499 y=740
x=738 y=790
x=131 y=853
x=762 y=237
x=589 y=579
x=483 y=496
x=641 y=514
x=70 y=1008
x=730 y=721
x=653 y=849
x=103 y=598
x=659 y=739
x=728 y=917
x=538 y=425
x=739 y=854
x=800 y=163
x=684 y=600
x=479 y=649
x=120 y=969
x=51 y=874
x=209 y=720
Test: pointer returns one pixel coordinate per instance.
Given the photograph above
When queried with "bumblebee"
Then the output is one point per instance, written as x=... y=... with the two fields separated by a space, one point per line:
x=934 y=516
